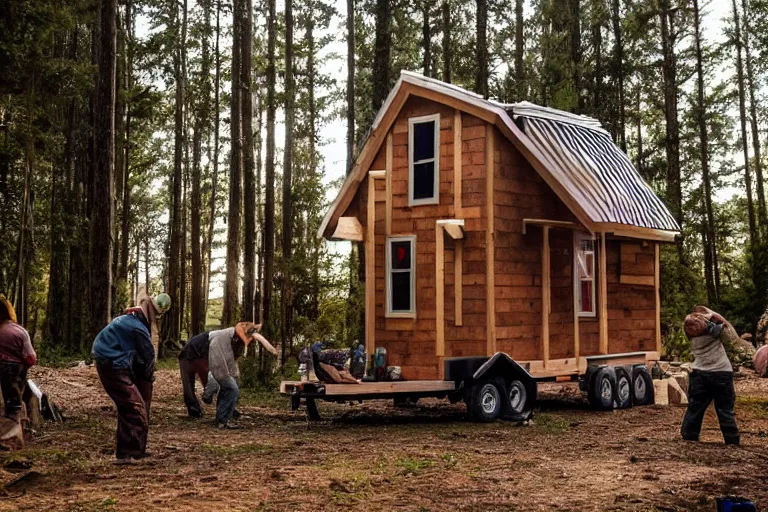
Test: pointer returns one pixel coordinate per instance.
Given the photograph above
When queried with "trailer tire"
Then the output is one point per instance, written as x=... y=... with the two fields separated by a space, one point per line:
x=485 y=400
x=623 y=388
x=643 y=392
x=517 y=402
x=602 y=389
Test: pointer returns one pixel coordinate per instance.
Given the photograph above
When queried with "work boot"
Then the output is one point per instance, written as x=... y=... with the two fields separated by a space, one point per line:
x=122 y=462
x=227 y=426
x=142 y=455
x=236 y=414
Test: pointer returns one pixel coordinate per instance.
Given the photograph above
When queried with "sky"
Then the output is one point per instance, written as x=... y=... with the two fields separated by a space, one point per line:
x=332 y=145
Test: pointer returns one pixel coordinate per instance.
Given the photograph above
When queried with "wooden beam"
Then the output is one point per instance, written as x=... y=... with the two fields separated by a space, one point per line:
x=575 y=302
x=656 y=284
x=439 y=291
x=388 y=220
x=375 y=388
x=637 y=232
x=458 y=278
x=637 y=280
x=370 y=268
x=490 y=242
x=602 y=297
x=348 y=228
x=454 y=231
x=457 y=154
x=545 y=295
x=551 y=223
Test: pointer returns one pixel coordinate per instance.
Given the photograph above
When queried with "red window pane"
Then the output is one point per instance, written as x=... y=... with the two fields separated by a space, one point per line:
x=586 y=296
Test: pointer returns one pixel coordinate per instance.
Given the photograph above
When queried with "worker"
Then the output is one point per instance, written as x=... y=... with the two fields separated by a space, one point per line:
x=225 y=348
x=193 y=362
x=125 y=361
x=711 y=378
x=16 y=356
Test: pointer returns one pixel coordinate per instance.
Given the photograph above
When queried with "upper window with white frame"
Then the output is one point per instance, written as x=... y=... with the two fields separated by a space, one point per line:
x=401 y=276
x=584 y=274
x=423 y=160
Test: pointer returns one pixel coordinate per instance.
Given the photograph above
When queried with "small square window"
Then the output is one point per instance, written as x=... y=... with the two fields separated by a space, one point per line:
x=584 y=275
x=423 y=160
x=401 y=279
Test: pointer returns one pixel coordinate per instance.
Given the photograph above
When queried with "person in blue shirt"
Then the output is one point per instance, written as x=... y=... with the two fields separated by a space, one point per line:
x=125 y=361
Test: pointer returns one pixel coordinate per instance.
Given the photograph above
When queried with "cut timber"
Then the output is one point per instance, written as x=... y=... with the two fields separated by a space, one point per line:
x=657 y=272
x=388 y=218
x=490 y=243
x=638 y=280
x=551 y=223
x=662 y=392
x=454 y=227
x=546 y=303
x=457 y=152
x=458 y=279
x=439 y=290
x=553 y=368
x=375 y=388
x=602 y=297
x=348 y=228
x=619 y=359
x=370 y=263
x=675 y=393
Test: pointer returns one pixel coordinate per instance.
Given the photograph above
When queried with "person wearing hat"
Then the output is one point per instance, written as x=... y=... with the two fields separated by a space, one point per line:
x=711 y=378
x=226 y=346
x=16 y=356
x=125 y=361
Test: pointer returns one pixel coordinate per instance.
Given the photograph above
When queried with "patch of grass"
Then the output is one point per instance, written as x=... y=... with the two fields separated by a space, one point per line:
x=242 y=449
x=757 y=406
x=167 y=363
x=448 y=459
x=550 y=424
x=411 y=466
x=106 y=505
x=270 y=399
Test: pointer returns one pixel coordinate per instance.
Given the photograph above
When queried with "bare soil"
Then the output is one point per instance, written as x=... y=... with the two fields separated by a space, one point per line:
x=374 y=456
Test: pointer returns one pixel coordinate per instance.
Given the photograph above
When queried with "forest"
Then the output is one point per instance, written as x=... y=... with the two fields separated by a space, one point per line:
x=182 y=146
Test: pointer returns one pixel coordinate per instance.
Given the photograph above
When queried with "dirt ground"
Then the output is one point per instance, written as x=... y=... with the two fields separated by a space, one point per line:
x=377 y=457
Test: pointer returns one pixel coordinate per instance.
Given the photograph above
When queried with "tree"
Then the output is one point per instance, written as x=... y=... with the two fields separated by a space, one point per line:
x=381 y=60
x=285 y=296
x=447 y=41
x=269 y=171
x=426 y=38
x=249 y=273
x=618 y=69
x=481 y=48
x=102 y=217
x=520 y=88
x=350 y=84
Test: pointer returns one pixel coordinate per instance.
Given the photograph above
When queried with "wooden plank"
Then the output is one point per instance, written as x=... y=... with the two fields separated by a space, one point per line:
x=546 y=302
x=458 y=279
x=373 y=388
x=490 y=243
x=551 y=223
x=439 y=291
x=457 y=156
x=348 y=228
x=637 y=232
x=370 y=269
x=656 y=284
x=602 y=311
x=389 y=184
x=619 y=359
x=454 y=231
x=638 y=280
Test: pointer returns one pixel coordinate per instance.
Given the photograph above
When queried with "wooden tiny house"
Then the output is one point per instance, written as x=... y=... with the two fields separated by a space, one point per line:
x=490 y=228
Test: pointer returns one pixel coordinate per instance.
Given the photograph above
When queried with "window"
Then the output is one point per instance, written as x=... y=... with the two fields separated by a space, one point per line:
x=584 y=275
x=401 y=278
x=423 y=160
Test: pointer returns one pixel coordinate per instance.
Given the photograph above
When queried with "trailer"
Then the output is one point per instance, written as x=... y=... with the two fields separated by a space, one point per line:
x=496 y=387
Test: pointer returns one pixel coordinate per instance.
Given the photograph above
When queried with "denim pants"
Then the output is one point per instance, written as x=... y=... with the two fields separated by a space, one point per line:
x=190 y=370
x=132 y=398
x=227 y=398
x=703 y=388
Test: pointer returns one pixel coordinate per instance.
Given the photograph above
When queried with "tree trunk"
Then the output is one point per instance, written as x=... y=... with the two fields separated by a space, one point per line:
x=674 y=192
x=259 y=300
x=762 y=215
x=710 y=247
x=230 y=312
x=383 y=42
x=426 y=38
x=350 y=84
x=597 y=44
x=618 y=69
x=743 y=122
x=126 y=208
x=447 y=41
x=520 y=87
x=481 y=49
x=286 y=294
x=185 y=190
x=103 y=173
x=249 y=274
x=314 y=308
x=269 y=202
x=575 y=29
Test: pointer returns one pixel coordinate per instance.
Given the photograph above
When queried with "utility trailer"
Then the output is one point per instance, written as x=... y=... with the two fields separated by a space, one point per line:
x=497 y=387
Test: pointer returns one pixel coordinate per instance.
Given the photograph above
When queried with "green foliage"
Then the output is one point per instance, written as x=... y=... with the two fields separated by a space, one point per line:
x=676 y=346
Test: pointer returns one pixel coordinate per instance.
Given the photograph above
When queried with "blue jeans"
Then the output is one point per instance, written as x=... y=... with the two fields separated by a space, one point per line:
x=226 y=400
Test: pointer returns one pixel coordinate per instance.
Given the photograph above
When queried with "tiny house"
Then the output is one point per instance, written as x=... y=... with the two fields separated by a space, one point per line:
x=492 y=227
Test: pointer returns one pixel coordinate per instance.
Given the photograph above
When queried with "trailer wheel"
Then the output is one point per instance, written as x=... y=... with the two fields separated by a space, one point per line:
x=517 y=400
x=643 y=392
x=485 y=400
x=602 y=389
x=623 y=388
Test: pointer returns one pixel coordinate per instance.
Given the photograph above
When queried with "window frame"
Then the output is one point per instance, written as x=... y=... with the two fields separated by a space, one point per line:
x=435 y=199
x=578 y=238
x=389 y=312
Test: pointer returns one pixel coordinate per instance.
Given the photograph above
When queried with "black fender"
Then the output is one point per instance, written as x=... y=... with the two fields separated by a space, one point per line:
x=501 y=364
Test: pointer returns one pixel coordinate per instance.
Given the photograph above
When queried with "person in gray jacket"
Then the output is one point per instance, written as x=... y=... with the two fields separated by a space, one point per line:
x=711 y=378
x=225 y=348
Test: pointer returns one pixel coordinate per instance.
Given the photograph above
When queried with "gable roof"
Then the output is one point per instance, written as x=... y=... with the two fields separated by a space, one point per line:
x=572 y=153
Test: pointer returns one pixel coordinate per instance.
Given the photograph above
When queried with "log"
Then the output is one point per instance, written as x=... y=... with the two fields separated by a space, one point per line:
x=675 y=394
x=662 y=392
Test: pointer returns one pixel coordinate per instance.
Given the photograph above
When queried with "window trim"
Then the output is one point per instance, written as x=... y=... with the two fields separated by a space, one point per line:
x=435 y=199
x=577 y=239
x=389 y=313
